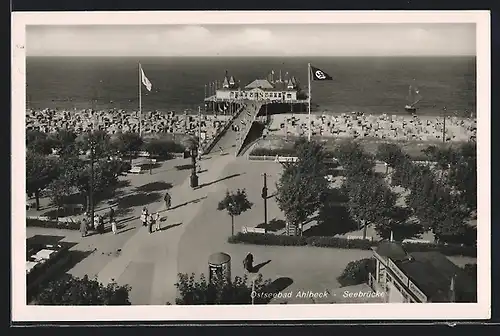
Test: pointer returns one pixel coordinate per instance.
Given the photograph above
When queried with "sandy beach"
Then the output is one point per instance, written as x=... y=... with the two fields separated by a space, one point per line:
x=388 y=127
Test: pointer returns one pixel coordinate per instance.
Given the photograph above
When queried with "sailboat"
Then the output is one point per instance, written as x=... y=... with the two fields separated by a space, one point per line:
x=413 y=98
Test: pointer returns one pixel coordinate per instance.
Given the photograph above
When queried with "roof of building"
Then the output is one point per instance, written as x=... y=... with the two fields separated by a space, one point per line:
x=260 y=83
x=392 y=250
x=432 y=273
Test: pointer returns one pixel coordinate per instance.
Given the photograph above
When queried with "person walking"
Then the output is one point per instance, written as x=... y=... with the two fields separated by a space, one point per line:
x=156 y=219
x=83 y=225
x=113 y=226
x=101 y=225
x=96 y=222
x=168 y=200
x=149 y=221
x=144 y=217
x=111 y=214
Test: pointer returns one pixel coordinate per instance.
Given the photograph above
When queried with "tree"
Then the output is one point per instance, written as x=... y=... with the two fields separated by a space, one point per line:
x=162 y=148
x=64 y=141
x=73 y=291
x=40 y=171
x=66 y=183
x=98 y=141
x=105 y=176
x=302 y=186
x=391 y=154
x=38 y=142
x=235 y=203
x=127 y=143
x=463 y=175
x=354 y=159
x=370 y=201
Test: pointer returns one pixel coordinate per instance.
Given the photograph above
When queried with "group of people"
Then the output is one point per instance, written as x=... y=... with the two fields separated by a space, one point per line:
x=116 y=121
x=97 y=223
x=359 y=125
x=152 y=221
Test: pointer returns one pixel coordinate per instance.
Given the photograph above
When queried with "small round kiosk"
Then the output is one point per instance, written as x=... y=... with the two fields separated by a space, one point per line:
x=219 y=267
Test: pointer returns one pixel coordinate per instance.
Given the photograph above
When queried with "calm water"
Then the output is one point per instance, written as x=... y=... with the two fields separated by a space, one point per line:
x=368 y=84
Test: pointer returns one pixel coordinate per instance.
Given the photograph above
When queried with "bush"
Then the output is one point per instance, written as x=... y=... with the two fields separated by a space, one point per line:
x=449 y=250
x=52 y=224
x=344 y=243
x=273 y=152
x=337 y=242
x=356 y=272
x=267 y=239
x=73 y=291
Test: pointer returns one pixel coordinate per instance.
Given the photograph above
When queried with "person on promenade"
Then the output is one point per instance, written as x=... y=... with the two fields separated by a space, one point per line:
x=113 y=226
x=149 y=223
x=156 y=219
x=111 y=214
x=144 y=215
x=83 y=225
x=168 y=200
x=96 y=222
x=101 y=224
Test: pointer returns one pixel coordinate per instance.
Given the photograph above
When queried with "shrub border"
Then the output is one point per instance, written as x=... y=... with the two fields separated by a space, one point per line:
x=52 y=224
x=344 y=243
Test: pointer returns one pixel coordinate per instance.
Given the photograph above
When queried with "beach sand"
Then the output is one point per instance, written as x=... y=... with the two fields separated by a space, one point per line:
x=376 y=127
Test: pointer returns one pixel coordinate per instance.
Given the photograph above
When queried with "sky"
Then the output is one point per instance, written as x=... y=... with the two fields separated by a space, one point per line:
x=427 y=39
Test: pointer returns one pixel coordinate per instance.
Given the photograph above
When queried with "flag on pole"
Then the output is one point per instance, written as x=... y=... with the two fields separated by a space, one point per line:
x=145 y=80
x=319 y=74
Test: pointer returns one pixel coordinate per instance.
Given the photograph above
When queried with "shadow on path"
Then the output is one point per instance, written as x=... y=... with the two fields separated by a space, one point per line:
x=274 y=287
x=169 y=226
x=184 y=167
x=256 y=268
x=139 y=199
x=219 y=180
x=154 y=186
x=186 y=203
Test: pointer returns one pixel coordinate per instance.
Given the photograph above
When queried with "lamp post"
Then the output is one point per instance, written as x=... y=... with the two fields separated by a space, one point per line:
x=264 y=197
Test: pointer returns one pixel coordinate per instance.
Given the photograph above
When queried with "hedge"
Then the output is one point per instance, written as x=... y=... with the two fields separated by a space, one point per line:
x=356 y=272
x=52 y=224
x=344 y=243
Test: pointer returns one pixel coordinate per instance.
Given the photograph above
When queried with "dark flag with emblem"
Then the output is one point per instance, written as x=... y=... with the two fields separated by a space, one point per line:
x=318 y=74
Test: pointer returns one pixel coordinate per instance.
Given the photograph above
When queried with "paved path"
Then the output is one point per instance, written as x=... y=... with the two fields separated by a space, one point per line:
x=148 y=262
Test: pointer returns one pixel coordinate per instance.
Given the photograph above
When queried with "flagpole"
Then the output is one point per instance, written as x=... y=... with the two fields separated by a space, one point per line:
x=309 y=98
x=140 y=102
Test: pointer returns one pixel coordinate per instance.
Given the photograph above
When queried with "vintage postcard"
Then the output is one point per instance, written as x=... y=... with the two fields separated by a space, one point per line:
x=251 y=166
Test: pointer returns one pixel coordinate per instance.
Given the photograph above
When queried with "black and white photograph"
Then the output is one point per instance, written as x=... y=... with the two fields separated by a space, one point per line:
x=310 y=167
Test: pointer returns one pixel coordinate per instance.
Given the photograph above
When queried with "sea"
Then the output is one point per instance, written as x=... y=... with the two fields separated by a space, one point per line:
x=372 y=85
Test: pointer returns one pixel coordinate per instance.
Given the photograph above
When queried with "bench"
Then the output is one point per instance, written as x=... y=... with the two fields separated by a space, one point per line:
x=135 y=170
x=246 y=229
x=285 y=158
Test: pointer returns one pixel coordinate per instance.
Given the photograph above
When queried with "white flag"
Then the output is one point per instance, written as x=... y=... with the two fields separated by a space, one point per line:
x=145 y=81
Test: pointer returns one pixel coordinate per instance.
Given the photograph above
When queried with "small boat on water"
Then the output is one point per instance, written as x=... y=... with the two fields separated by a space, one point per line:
x=413 y=98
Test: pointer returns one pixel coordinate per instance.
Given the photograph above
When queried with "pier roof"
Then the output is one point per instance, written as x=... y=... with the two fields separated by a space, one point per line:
x=260 y=83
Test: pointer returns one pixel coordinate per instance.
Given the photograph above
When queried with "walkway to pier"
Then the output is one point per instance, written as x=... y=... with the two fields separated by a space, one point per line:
x=232 y=141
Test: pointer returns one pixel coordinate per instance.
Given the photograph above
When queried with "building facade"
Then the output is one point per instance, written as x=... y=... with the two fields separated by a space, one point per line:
x=419 y=277
x=260 y=89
